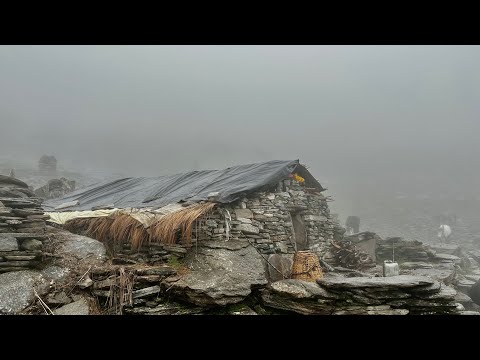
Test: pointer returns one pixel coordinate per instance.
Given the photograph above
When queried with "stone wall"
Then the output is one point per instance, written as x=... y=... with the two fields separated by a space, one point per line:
x=267 y=220
x=264 y=219
x=22 y=227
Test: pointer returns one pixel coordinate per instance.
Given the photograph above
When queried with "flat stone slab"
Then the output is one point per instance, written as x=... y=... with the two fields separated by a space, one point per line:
x=388 y=312
x=415 y=265
x=445 y=293
x=396 y=295
x=473 y=278
x=444 y=275
x=382 y=283
x=8 y=243
x=32 y=244
x=79 y=307
x=244 y=213
x=300 y=289
x=469 y=313
x=21 y=236
x=169 y=308
x=445 y=248
x=465 y=283
x=228 y=245
x=248 y=229
x=453 y=258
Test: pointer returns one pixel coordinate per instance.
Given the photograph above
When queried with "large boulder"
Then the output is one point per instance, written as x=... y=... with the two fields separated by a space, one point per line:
x=83 y=248
x=17 y=290
x=219 y=273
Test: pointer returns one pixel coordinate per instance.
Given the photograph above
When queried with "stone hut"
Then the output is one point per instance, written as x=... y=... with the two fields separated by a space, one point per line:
x=277 y=206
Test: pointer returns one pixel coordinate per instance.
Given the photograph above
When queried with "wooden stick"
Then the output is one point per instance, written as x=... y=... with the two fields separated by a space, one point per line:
x=42 y=303
x=80 y=280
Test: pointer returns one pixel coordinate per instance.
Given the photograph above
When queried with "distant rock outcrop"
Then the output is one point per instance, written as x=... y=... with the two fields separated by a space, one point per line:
x=56 y=188
x=47 y=163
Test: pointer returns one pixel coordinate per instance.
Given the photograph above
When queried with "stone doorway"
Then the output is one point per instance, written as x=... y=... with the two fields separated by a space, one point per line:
x=299 y=232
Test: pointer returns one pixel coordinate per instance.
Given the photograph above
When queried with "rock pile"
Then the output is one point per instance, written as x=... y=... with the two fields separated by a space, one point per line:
x=21 y=215
x=404 y=250
x=11 y=187
x=129 y=288
x=213 y=274
x=397 y=295
x=22 y=227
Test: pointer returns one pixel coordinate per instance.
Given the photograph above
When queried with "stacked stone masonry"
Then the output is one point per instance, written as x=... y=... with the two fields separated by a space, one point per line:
x=265 y=219
x=22 y=227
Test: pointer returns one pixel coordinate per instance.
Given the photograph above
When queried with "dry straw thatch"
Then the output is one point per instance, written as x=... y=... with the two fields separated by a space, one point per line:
x=111 y=230
x=120 y=228
x=165 y=229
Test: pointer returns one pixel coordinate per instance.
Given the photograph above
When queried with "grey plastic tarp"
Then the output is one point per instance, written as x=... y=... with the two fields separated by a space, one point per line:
x=153 y=192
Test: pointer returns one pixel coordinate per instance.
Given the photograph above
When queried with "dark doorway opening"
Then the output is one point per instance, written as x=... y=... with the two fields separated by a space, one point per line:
x=299 y=231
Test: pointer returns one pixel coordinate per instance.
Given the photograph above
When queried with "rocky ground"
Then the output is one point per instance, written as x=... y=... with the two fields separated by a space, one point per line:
x=76 y=276
x=228 y=278
x=413 y=214
x=59 y=283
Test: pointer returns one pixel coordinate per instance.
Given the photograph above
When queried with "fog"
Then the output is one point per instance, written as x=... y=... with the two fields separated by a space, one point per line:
x=365 y=119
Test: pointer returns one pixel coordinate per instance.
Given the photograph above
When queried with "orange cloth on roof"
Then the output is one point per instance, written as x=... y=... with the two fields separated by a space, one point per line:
x=298 y=178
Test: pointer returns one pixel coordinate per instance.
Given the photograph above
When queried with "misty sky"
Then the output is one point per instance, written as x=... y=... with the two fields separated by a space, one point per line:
x=346 y=111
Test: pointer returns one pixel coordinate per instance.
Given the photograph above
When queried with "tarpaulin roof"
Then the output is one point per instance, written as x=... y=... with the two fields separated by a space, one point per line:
x=153 y=192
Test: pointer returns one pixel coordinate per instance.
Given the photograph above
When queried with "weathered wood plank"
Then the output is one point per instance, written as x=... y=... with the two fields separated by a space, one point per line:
x=152 y=290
